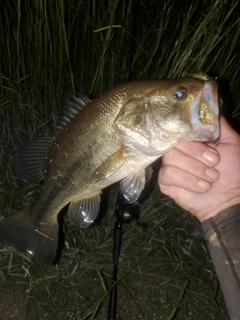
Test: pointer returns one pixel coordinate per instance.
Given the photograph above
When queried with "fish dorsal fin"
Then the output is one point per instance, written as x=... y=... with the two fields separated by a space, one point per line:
x=132 y=186
x=83 y=212
x=72 y=107
x=30 y=159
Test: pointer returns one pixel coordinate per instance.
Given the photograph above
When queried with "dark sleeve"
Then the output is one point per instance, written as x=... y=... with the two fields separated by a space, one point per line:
x=222 y=233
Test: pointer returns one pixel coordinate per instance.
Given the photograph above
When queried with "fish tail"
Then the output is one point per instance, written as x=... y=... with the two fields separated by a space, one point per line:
x=38 y=240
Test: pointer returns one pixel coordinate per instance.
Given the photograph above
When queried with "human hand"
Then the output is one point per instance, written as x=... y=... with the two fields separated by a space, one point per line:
x=203 y=178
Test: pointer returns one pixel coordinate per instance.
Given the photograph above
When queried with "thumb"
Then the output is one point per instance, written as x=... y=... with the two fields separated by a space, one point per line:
x=227 y=133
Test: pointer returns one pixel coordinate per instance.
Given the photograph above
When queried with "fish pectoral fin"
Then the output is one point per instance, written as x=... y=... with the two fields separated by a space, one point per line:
x=131 y=187
x=30 y=159
x=111 y=165
x=83 y=212
x=148 y=173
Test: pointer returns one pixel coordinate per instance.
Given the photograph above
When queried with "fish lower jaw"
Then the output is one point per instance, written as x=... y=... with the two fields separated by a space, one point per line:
x=207 y=133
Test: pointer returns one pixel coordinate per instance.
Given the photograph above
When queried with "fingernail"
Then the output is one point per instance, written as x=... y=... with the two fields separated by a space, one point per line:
x=212 y=173
x=204 y=185
x=211 y=156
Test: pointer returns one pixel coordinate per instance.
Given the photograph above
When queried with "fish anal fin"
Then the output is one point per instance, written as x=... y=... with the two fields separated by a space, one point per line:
x=111 y=165
x=39 y=242
x=83 y=212
x=30 y=159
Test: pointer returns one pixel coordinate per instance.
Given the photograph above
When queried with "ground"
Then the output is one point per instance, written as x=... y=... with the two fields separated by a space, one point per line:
x=165 y=272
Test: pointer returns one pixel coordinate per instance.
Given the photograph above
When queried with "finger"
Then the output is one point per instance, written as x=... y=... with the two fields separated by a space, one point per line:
x=184 y=162
x=174 y=177
x=201 y=151
x=228 y=134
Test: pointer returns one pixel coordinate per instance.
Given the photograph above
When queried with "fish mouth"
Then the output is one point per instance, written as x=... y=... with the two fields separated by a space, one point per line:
x=205 y=113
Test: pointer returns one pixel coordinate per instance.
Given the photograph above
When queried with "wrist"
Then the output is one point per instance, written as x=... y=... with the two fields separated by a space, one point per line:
x=222 y=207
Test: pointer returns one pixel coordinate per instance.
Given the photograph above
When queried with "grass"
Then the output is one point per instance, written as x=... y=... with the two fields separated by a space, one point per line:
x=50 y=49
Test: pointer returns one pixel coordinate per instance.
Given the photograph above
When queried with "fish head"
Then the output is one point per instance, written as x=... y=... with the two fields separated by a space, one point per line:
x=167 y=111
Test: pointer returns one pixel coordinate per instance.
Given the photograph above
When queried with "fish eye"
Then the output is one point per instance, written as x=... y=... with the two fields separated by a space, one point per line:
x=180 y=93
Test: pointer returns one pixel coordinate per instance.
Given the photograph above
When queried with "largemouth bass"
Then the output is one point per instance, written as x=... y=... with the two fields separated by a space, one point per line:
x=113 y=138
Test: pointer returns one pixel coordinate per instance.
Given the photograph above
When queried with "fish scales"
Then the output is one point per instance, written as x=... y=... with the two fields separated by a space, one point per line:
x=86 y=131
x=114 y=138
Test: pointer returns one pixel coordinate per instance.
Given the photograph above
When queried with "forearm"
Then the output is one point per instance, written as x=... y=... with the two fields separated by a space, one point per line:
x=222 y=233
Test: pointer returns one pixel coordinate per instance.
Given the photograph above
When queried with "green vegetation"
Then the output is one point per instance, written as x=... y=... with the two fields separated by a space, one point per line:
x=50 y=49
